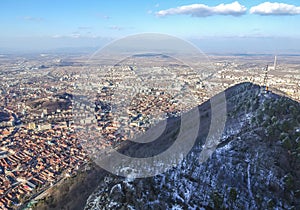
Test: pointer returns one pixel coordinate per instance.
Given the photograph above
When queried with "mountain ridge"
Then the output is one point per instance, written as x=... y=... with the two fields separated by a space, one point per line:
x=256 y=164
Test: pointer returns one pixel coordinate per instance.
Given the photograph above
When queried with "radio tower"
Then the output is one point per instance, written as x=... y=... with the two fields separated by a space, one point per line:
x=267 y=69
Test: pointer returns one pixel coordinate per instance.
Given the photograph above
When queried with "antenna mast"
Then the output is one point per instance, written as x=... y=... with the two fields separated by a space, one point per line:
x=265 y=86
x=267 y=69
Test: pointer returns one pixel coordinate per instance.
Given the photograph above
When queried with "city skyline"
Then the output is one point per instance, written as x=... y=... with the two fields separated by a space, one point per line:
x=214 y=26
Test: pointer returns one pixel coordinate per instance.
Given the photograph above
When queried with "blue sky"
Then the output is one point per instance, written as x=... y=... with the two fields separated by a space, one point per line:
x=217 y=25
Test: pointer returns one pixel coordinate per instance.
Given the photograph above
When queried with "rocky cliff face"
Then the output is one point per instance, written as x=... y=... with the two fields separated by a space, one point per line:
x=256 y=164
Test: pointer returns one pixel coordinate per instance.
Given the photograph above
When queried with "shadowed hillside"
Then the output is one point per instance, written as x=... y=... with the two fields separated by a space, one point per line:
x=256 y=164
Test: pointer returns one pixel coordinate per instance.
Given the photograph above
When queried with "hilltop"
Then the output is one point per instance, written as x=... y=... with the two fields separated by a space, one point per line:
x=256 y=165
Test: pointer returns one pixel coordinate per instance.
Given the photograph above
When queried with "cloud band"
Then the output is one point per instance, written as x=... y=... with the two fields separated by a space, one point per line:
x=202 y=10
x=232 y=9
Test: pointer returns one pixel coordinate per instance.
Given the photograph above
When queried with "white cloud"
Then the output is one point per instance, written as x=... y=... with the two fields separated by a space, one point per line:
x=202 y=10
x=268 y=8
